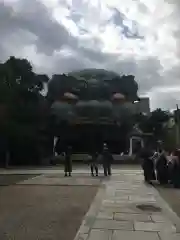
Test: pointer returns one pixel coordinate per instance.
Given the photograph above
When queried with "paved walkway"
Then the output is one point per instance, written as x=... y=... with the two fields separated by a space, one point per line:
x=77 y=169
x=114 y=214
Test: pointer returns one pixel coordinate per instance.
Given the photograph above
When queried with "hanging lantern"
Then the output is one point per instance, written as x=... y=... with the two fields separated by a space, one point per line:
x=70 y=97
x=118 y=97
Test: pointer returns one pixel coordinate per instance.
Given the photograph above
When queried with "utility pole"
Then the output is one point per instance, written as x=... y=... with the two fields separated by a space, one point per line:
x=177 y=126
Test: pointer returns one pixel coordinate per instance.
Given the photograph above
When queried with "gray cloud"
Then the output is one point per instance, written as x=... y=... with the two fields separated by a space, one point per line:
x=165 y=101
x=30 y=23
x=118 y=19
x=148 y=75
x=142 y=7
x=33 y=17
x=68 y=64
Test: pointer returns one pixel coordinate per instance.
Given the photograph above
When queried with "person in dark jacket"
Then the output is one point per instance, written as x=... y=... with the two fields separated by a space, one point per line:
x=170 y=170
x=59 y=147
x=107 y=160
x=94 y=164
x=147 y=165
x=176 y=170
x=68 y=162
x=162 y=169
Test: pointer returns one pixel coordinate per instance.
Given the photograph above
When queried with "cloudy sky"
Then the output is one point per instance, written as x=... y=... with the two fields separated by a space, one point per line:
x=141 y=37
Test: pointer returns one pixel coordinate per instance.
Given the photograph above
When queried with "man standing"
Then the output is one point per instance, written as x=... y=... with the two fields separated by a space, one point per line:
x=107 y=160
x=68 y=162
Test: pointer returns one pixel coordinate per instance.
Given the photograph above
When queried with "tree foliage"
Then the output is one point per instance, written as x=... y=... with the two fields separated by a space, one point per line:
x=126 y=85
x=93 y=85
x=155 y=123
x=20 y=95
x=24 y=111
x=94 y=90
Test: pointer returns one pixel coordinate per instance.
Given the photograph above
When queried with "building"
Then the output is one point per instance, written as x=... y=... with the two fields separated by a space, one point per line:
x=143 y=106
x=98 y=104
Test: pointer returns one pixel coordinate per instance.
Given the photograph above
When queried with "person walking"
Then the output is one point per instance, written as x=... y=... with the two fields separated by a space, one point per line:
x=68 y=162
x=107 y=160
x=94 y=164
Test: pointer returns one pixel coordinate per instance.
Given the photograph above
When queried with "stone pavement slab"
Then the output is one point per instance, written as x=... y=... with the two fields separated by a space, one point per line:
x=105 y=215
x=100 y=235
x=154 y=227
x=112 y=224
x=132 y=217
x=119 y=209
x=159 y=218
x=127 y=235
x=173 y=236
x=131 y=210
x=142 y=199
x=81 y=237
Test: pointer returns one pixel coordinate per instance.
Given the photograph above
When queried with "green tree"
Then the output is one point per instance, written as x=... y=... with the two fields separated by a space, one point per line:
x=92 y=86
x=126 y=85
x=20 y=94
x=155 y=123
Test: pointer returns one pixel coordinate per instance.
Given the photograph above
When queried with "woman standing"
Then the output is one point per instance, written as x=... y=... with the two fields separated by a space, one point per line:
x=162 y=168
x=148 y=165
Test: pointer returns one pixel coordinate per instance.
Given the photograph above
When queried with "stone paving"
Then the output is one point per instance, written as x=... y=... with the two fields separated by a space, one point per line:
x=60 y=180
x=114 y=214
x=77 y=169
